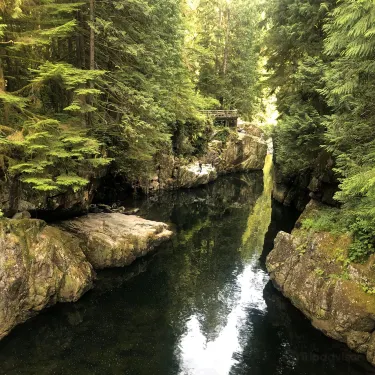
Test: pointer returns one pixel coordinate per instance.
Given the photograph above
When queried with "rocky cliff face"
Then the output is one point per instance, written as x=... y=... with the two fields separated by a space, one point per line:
x=319 y=183
x=244 y=151
x=116 y=240
x=39 y=266
x=312 y=270
x=17 y=197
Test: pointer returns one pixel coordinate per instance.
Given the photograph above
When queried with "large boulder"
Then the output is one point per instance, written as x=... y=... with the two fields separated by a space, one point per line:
x=312 y=270
x=114 y=239
x=193 y=175
x=39 y=266
x=243 y=153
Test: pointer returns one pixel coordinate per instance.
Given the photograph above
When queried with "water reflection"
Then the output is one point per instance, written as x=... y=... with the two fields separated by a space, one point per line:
x=215 y=357
x=200 y=305
x=202 y=354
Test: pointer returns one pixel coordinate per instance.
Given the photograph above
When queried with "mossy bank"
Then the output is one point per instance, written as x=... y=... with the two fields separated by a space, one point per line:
x=313 y=270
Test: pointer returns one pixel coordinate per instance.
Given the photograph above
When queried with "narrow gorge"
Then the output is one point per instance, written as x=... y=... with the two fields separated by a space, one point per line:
x=187 y=187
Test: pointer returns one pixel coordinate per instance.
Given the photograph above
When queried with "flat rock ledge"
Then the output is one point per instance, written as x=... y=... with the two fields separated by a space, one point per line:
x=311 y=270
x=39 y=266
x=116 y=240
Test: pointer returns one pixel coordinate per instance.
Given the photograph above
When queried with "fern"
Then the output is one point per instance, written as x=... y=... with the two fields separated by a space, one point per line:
x=71 y=181
x=70 y=76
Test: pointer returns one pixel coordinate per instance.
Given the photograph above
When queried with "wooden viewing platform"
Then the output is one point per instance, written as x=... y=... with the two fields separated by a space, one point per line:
x=223 y=117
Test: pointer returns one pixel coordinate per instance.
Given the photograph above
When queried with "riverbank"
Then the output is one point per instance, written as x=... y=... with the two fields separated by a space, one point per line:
x=203 y=301
x=312 y=268
x=41 y=265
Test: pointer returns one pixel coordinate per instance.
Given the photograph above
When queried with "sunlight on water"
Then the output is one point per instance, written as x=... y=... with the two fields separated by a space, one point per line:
x=215 y=357
x=260 y=216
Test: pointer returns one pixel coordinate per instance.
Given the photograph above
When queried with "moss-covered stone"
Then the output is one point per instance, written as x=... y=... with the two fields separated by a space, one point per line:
x=334 y=297
x=39 y=266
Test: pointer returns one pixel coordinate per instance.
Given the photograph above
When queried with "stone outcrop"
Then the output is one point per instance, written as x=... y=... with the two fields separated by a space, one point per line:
x=16 y=196
x=39 y=266
x=319 y=183
x=193 y=175
x=312 y=270
x=245 y=150
x=116 y=240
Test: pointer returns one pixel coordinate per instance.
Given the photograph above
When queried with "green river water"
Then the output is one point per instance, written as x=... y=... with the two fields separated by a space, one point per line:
x=201 y=305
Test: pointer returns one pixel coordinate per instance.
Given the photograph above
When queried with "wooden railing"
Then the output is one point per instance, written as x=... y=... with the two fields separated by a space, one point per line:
x=221 y=113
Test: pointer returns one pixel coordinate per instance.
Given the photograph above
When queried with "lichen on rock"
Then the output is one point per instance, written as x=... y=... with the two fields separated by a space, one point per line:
x=39 y=266
x=311 y=269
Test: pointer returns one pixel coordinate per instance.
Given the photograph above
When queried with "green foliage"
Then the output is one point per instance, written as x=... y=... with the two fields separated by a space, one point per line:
x=349 y=81
x=319 y=272
x=326 y=219
x=52 y=155
x=367 y=288
x=359 y=225
x=69 y=76
x=222 y=134
x=321 y=60
x=63 y=118
x=223 y=48
x=363 y=244
x=12 y=99
x=294 y=48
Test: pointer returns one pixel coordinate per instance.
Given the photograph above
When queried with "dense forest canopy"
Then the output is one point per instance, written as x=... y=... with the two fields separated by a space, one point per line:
x=321 y=61
x=87 y=85
x=111 y=83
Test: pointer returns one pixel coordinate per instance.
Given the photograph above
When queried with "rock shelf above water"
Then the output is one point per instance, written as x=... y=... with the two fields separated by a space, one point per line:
x=41 y=265
x=311 y=269
x=116 y=240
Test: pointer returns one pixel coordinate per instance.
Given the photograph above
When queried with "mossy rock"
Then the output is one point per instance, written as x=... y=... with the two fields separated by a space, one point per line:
x=39 y=266
x=324 y=285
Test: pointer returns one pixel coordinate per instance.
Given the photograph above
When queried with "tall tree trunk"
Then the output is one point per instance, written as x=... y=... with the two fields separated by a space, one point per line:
x=3 y=88
x=2 y=79
x=226 y=50
x=90 y=98
x=226 y=43
x=218 y=44
x=92 y=35
x=80 y=42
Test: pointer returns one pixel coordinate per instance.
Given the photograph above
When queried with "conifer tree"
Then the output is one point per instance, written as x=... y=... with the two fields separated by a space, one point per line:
x=349 y=88
x=294 y=48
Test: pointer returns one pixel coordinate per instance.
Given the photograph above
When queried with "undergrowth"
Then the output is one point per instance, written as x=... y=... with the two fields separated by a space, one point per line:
x=339 y=221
